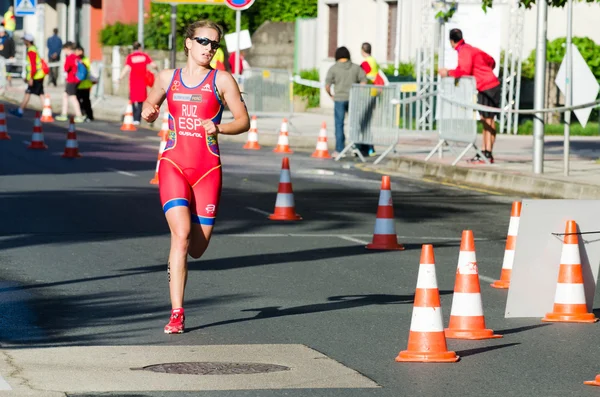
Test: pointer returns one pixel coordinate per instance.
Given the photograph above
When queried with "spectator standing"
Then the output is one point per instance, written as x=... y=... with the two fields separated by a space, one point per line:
x=232 y=62
x=371 y=68
x=474 y=62
x=10 y=22
x=342 y=75
x=34 y=75
x=85 y=86
x=8 y=52
x=137 y=64
x=72 y=62
x=54 y=45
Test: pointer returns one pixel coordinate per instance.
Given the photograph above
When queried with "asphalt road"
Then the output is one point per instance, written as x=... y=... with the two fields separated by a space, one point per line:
x=83 y=248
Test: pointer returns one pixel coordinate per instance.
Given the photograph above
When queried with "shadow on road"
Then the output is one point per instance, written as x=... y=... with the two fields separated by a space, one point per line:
x=335 y=303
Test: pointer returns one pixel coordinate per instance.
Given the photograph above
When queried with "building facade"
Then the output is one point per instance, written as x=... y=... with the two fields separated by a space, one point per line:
x=79 y=21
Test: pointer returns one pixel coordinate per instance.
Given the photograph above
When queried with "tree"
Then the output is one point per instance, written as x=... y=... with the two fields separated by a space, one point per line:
x=529 y=3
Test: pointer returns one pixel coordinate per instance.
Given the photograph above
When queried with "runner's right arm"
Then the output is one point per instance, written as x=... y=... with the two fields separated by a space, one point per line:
x=151 y=107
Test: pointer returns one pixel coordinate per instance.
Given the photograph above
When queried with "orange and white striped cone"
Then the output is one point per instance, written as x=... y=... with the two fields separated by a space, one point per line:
x=466 y=316
x=569 y=300
x=161 y=149
x=164 y=128
x=595 y=382
x=426 y=340
x=384 y=236
x=322 y=151
x=128 y=119
x=3 y=132
x=37 y=138
x=284 y=205
x=509 y=251
x=47 y=111
x=252 y=143
x=71 y=147
x=283 y=143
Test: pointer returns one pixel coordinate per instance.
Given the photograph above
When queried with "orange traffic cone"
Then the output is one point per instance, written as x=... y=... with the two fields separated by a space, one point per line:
x=284 y=206
x=161 y=149
x=426 y=340
x=283 y=143
x=71 y=147
x=509 y=251
x=37 y=138
x=569 y=299
x=252 y=143
x=47 y=111
x=164 y=128
x=384 y=237
x=595 y=382
x=322 y=151
x=466 y=316
x=128 y=119
x=3 y=132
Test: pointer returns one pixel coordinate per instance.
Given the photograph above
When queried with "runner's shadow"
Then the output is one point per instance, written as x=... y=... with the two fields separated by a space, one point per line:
x=471 y=352
x=334 y=303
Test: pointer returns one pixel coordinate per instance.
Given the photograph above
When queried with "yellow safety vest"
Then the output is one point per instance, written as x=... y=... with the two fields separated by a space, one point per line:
x=374 y=68
x=10 y=24
x=87 y=83
x=219 y=57
x=39 y=73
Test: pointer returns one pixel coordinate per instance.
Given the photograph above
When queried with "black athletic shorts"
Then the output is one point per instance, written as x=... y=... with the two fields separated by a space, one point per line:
x=71 y=88
x=491 y=98
x=37 y=88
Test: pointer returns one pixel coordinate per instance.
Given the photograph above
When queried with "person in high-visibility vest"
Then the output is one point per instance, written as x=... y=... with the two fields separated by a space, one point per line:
x=371 y=68
x=218 y=61
x=10 y=22
x=35 y=75
x=85 y=86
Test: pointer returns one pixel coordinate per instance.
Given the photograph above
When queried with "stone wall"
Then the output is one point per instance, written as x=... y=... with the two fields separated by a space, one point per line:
x=273 y=46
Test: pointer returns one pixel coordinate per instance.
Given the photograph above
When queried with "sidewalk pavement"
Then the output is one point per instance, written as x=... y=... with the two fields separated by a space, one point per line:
x=512 y=171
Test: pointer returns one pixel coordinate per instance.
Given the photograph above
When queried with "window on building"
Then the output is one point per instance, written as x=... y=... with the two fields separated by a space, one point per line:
x=392 y=18
x=333 y=29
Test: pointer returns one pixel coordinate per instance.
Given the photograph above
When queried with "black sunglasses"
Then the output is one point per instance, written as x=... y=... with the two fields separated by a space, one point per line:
x=204 y=41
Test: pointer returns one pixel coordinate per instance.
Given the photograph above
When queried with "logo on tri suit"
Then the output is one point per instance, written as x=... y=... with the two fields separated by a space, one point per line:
x=210 y=209
x=170 y=140
x=175 y=85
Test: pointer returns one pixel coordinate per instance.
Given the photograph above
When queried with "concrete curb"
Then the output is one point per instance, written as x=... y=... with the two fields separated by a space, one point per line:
x=507 y=181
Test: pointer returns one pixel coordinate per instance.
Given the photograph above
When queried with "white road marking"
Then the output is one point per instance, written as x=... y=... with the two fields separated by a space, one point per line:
x=258 y=211
x=317 y=235
x=122 y=172
x=354 y=240
x=150 y=147
x=4 y=384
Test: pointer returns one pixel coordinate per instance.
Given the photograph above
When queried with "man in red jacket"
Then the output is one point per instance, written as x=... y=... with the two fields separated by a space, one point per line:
x=474 y=62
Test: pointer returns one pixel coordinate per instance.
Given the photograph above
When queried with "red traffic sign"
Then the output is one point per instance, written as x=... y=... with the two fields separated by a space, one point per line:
x=239 y=4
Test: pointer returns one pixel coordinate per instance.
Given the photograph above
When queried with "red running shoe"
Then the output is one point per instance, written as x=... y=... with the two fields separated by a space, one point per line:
x=176 y=323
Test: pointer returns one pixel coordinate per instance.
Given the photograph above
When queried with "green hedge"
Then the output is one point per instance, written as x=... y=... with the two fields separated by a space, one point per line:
x=309 y=93
x=158 y=26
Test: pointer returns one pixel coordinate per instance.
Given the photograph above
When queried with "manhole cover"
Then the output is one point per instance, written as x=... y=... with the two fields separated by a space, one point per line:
x=208 y=368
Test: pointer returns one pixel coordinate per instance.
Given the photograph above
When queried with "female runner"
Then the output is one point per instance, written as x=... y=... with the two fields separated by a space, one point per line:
x=190 y=166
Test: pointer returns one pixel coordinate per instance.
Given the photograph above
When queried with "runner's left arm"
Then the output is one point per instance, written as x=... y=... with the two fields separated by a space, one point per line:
x=230 y=93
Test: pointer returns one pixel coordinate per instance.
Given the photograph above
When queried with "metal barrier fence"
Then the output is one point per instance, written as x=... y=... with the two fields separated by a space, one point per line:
x=456 y=123
x=377 y=115
x=268 y=91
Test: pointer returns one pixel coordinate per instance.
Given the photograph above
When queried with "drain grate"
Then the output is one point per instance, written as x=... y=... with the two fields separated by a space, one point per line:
x=213 y=368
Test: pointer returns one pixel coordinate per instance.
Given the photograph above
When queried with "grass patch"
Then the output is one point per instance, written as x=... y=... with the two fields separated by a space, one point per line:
x=526 y=128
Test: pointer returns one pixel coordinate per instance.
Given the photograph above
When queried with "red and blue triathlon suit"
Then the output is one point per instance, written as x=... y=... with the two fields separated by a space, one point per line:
x=190 y=166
